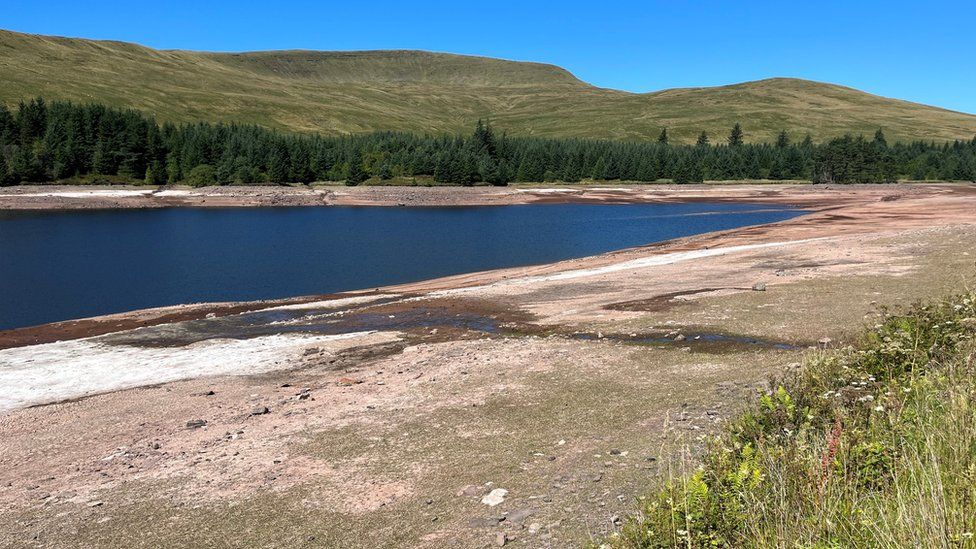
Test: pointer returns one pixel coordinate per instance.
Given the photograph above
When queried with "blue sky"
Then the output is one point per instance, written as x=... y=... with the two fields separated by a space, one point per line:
x=919 y=51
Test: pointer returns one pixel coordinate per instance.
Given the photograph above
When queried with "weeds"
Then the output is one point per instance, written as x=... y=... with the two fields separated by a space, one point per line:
x=870 y=446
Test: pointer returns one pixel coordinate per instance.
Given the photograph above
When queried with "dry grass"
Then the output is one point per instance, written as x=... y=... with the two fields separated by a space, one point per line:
x=872 y=446
x=344 y=92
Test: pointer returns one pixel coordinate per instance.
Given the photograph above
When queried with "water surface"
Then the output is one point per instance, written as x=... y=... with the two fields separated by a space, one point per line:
x=64 y=265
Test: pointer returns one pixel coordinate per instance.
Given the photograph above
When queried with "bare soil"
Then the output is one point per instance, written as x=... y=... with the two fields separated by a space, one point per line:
x=466 y=384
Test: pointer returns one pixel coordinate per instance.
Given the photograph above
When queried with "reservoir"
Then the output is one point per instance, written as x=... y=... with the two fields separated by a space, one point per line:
x=60 y=265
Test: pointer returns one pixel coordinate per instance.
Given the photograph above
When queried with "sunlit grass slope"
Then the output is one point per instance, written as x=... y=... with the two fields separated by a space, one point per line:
x=343 y=92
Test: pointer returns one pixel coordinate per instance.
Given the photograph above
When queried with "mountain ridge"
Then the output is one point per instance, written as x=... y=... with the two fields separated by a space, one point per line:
x=432 y=92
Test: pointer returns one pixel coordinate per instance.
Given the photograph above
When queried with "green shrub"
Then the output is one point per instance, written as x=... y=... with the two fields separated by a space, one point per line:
x=872 y=446
x=202 y=176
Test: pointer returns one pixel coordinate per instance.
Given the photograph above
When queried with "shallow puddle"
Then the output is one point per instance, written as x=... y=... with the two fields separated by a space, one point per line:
x=399 y=316
x=699 y=341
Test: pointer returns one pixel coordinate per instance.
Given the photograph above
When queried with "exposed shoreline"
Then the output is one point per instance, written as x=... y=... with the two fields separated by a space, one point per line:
x=825 y=204
x=85 y=197
x=382 y=418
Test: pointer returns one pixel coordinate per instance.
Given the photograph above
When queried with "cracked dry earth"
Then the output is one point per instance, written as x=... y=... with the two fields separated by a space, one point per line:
x=569 y=389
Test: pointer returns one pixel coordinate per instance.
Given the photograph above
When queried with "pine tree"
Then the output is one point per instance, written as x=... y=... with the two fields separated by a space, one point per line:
x=663 y=138
x=702 y=139
x=599 y=168
x=6 y=178
x=356 y=174
x=782 y=140
x=735 y=136
x=879 y=139
x=484 y=140
x=278 y=164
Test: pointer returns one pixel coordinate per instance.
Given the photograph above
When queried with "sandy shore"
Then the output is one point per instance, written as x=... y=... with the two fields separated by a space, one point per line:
x=573 y=385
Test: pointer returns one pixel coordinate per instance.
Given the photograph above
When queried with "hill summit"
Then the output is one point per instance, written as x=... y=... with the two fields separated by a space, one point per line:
x=425 y=92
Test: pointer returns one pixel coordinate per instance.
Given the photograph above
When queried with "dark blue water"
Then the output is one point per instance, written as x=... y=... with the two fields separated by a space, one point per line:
x=63 y=265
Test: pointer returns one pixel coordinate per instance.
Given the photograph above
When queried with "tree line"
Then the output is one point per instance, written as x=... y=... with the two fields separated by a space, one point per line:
x=42 y=141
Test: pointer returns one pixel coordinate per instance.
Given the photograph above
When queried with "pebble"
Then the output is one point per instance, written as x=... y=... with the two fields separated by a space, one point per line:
x=196 y=423
x=518 y=516
x=260 y=410
x=495 y=497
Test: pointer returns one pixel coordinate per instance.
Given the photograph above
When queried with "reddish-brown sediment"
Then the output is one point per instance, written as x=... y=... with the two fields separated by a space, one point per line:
x=401 y=432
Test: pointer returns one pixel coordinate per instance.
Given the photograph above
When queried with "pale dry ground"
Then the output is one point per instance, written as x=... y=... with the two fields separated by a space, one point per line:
x=71 y=197
x=403 y=434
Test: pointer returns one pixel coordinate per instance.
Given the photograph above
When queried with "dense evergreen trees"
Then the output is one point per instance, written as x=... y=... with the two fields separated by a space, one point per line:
x=48 y=142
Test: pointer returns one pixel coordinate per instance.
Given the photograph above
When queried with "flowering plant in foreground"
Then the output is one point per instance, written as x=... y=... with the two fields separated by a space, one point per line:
x=872 y=445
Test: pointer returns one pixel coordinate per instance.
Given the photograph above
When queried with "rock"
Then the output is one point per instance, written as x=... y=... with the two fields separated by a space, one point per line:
x=495 y=497
x=502 y=538
x=615 y=520
x=615 y=452
x=680 y=337
x=534 y=528
x=260 y=410
x=347 y=381
x=304 y=394
x=824 y=342
x=759 y=287
x=196 y=423
x=95 y=504
x=470 y=491
x=483 y=522
x=518 y=516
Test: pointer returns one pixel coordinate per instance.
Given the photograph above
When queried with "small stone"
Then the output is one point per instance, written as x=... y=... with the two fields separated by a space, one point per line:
x=680 y=337
x=470 y=491
x=483 y=522
x=615 y=452
x=824 y=342
x=534 y=528
x=495 y=497
x=759 y=287
x=518 y=516
x=260 y=410
x=347 y=381
x=196 y=423
x=95 y=504
x=501 y=539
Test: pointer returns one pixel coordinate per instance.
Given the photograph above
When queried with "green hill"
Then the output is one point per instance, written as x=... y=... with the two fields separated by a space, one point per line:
x=343 y=92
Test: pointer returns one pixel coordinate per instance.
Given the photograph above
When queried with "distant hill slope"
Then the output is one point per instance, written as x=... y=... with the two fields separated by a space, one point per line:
x=341 y=92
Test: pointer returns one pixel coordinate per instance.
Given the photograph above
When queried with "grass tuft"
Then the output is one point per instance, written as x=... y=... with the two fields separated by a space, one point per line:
x=869 y=446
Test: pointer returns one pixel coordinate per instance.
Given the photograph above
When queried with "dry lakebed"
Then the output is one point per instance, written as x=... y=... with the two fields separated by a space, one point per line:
x=525 y=406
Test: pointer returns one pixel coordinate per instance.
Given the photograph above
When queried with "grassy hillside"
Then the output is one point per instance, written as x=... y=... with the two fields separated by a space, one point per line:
x=343 y=92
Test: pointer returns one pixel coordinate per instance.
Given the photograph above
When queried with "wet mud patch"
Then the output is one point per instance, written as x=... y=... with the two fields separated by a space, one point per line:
x=663 y=302
x=427 y=319
x=698 y=341
x=692 y=339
